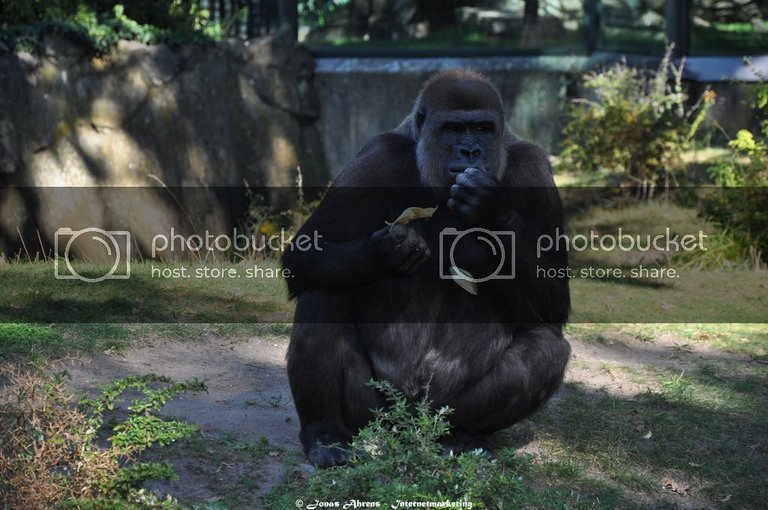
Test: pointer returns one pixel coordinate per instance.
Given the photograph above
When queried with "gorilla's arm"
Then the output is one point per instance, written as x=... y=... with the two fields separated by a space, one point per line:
x=536 y=210
x=526 y=202
x=355 y=248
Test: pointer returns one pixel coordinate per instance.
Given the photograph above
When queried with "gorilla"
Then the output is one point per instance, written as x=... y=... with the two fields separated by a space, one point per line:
x=377 y=300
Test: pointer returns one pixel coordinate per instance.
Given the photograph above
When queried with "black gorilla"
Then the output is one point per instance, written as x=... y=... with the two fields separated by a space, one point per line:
x=373 y=300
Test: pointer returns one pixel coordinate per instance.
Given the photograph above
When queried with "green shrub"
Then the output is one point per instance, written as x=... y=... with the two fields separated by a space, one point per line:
x=740 y=207
x=100 y=24
x=398 y=457
x=639 y=126
x=54 y=454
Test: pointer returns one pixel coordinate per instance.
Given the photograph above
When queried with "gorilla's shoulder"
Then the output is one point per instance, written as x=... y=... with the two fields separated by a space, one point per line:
x=520 y=148
x=383 y=161
x=528 y=164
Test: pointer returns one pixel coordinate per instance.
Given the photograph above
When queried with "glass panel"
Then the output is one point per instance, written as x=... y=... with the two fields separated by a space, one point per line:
x=552 y=25
x=637 y=26
x=736 y=27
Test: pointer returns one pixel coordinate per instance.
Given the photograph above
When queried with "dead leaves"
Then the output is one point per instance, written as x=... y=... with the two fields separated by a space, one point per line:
x=678 y=487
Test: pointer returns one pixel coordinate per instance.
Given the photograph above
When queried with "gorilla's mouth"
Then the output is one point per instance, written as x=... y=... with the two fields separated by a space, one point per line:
x=454 y=171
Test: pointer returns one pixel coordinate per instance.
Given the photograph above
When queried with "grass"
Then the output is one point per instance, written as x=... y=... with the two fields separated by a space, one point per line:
x=33 y=294
x=674 y=417
x=706 y=433
x=42 y=317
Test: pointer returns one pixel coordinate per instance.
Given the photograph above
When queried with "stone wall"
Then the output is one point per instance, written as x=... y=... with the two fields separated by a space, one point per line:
x=231 y=115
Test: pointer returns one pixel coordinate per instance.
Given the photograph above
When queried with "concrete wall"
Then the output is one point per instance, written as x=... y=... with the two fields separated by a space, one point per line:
x=364 y=97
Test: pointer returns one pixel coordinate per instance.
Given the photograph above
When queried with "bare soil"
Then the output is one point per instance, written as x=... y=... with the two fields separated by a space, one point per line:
x=249 y=428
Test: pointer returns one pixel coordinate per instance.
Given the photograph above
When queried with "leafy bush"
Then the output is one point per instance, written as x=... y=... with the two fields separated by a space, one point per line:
x=639 y=126
x=55 y=454
x=398 y=457
x=100 y=24
x=740 y=208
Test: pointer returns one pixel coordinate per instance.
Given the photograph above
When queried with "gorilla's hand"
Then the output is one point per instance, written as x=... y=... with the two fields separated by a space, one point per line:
x=477 y=198
x=398 y=249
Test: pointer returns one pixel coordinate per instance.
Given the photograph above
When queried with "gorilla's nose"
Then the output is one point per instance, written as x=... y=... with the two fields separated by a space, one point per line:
x=471 y=154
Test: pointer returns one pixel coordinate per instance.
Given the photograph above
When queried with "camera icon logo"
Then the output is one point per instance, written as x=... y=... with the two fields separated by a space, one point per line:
x=111 y=247
x=501 y=245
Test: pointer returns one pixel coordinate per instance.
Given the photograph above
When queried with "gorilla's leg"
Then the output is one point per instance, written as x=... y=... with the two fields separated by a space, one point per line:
x=525 y=376
x=328 y=370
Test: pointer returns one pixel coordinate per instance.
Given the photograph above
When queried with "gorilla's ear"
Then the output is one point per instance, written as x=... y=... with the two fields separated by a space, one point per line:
x=420 y=119
x=418 y=122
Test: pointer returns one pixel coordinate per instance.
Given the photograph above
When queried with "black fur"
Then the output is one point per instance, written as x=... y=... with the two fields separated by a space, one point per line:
x=370 y=303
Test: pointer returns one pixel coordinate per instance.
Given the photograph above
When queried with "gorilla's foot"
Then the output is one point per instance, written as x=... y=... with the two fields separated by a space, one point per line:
x=325 y=445
x=458 y=443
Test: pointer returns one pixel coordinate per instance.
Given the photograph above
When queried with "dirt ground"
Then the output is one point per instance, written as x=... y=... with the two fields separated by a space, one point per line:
x=249 y=428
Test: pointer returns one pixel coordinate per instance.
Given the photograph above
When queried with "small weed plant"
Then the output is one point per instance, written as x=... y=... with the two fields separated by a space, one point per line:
x=398 y=458
x=55 y=453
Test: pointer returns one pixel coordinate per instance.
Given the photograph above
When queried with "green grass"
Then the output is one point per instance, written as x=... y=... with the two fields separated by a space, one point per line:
x=749 y=340
x=33 y=294
x=36 y=343
x=42 y=317
x=589 y=448
x=707 y=431
x=707 y=422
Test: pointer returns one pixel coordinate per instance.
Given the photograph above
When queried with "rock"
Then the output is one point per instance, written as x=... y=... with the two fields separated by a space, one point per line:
x=160 y=64
x=106 y=113
x=28 y=61
x=114 y=98
x=200 y=116
x=124 y=46
x=62 y=50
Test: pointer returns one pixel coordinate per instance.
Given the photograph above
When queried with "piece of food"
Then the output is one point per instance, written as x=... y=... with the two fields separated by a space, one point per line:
x=413 y=213
x=464 y=280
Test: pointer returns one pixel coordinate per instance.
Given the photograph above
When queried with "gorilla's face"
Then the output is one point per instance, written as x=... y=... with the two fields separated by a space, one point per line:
x=451 y=142
x=458 y=123
x=466 y=140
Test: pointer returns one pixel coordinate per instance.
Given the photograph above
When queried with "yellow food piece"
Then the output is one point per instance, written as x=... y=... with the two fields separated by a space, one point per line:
x=413 y=213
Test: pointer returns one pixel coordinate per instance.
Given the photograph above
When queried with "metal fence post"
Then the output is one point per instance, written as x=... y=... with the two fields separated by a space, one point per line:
x=679 y=25
x=591 y=24
x=288 y=14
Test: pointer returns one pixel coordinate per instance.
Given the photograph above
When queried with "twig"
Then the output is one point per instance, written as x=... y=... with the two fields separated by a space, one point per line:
x=24 y=245
x=42 y=248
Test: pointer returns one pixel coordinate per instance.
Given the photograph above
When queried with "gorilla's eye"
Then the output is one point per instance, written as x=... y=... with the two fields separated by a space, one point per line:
x=484 y=128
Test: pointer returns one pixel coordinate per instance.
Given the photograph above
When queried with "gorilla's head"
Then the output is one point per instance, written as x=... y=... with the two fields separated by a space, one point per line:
x=458 y=123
